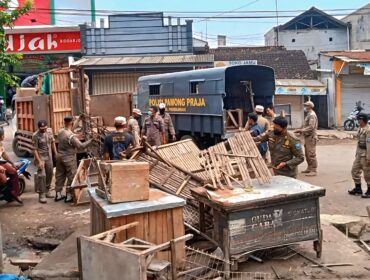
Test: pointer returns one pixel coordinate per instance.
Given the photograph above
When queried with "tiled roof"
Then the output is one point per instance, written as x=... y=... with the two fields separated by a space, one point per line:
x=291 y=64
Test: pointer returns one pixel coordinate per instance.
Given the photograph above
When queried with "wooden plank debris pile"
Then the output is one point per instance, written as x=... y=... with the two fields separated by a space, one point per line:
x=236 y=160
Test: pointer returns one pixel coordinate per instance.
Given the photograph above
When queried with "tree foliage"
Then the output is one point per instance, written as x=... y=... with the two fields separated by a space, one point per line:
x=8 y=16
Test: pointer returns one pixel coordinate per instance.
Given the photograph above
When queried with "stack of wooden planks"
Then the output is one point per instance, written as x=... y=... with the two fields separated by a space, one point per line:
x=235 y=160
x=184 y=154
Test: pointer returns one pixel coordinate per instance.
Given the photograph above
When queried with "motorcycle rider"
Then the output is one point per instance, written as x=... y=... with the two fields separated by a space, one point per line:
x=8 y=168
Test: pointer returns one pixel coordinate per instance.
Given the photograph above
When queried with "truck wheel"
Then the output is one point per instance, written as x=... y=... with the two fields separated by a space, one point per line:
x=17 y=151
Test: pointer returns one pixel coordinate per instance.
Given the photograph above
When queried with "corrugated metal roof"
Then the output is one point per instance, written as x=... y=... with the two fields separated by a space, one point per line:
x=134 y=60
x=299 y=82
x=350 y=56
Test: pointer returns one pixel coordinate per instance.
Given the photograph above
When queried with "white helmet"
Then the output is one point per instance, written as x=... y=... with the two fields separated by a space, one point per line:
x=162 y=106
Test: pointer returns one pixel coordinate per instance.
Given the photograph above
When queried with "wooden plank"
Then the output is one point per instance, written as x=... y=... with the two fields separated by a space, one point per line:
x=178 y=231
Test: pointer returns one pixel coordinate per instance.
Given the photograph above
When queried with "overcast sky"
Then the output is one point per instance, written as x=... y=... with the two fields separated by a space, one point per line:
x=238 y=31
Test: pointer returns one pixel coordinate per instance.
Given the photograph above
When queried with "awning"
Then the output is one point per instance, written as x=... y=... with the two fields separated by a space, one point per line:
x=299 y=87
x=145 y=61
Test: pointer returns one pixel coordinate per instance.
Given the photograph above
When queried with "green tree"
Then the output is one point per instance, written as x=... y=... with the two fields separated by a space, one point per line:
x=8 y=16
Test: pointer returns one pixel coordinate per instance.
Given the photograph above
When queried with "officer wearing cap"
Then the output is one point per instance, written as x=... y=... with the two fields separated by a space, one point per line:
x=285 y=147
x=133 y=126
x=309 y=132
x=68 y=145
x=43 y=149
x=362 y=159
x=262 y=121
x=169 y=129
x=118 y=142
x=153 y=128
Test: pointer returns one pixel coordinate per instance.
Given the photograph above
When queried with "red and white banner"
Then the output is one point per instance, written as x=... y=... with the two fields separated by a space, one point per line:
x=44 y=42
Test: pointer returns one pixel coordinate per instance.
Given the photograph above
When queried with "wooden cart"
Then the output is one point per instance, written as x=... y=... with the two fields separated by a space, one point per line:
x=284 y=212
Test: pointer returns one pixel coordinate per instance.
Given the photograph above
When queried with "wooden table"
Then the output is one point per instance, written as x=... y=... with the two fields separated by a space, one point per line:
x=160 y=218
x=284 y=212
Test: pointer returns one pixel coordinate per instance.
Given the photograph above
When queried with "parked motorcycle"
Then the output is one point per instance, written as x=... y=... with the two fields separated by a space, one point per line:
x=23 y=174
x=351 y=122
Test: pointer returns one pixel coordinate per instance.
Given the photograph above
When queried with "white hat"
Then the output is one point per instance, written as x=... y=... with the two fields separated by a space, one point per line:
x=120 y=120
x=162 y=106
x=259 y=109
x=137 y=111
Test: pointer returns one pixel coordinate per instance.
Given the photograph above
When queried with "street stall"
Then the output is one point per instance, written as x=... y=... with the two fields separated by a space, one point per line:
x=275 y=214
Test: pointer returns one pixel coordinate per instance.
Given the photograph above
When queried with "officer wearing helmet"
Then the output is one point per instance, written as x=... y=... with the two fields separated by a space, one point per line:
x=362 y=158
x=169 y=129
x=285 y=147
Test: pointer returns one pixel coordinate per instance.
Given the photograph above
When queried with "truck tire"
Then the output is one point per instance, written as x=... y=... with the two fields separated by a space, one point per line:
x=17 y=151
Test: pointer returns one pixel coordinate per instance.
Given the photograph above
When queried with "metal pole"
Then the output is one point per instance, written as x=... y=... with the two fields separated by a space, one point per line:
x=277 y=23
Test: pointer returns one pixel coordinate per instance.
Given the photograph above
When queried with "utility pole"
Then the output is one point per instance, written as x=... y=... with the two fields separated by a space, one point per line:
x=277 y=23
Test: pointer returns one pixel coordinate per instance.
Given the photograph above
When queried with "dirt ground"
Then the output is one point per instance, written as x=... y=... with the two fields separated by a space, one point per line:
x=58 y=220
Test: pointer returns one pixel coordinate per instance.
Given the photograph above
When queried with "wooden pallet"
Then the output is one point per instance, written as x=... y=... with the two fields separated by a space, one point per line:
x=235 y=160
x=184 y=154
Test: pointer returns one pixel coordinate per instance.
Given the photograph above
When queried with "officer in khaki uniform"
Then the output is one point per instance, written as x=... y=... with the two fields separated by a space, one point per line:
x=285 y=147
x=153 y=128
x=133 y=126
x=68 y=145
x=169 y=129
x=362 y=159
x=43 y=149
x=262 y=121
x=309 y=132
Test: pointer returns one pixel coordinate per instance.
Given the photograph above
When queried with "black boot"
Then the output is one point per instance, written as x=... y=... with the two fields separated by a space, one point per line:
x=356 y=191
x=367 y=194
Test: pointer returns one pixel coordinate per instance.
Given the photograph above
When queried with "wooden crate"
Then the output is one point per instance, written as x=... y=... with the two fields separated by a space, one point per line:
x=25 y=115
x=125 y=181
x=102 y=257
x=160 y=218
x=41 y=110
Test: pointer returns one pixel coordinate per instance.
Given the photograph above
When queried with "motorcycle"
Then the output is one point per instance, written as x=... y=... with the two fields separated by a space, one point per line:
x=351 y=122
x=22 y=173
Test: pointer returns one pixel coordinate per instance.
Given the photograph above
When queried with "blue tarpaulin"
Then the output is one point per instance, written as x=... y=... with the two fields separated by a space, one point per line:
x=11 y=277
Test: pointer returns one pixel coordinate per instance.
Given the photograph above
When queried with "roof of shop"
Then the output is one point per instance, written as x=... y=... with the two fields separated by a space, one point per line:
x=144 y=60
x=288 y=64
x=299 y=82
x=350 y=56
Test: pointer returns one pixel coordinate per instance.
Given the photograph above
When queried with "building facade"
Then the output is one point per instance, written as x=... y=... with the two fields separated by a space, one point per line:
x=135 y=45
x=359 y=22
x=347 y=75
x=312 y=32
x=138 y=34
